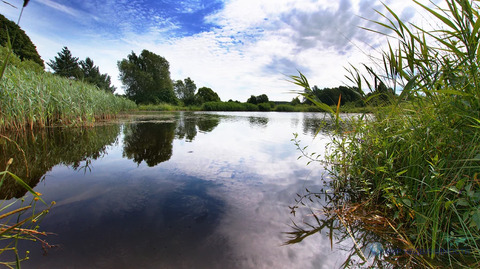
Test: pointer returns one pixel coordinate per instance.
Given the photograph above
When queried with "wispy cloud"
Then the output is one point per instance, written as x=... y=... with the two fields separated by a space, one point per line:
x=61 y=8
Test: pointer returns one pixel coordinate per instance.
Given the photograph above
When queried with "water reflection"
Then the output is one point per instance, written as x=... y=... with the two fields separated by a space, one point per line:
x=185 y=190
x=149 y=142
x=36 y=153
x=189 y=122
x=258 y=121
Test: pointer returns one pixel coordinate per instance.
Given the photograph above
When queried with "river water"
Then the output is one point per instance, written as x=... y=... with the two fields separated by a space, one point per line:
x=176 y=190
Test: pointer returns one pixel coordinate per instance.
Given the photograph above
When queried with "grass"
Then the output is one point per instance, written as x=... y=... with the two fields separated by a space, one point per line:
x=415 y=165
x=167 y=107
x=37 y=99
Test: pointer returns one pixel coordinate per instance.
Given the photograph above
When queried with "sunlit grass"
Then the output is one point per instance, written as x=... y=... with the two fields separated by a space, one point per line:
x=29 y=99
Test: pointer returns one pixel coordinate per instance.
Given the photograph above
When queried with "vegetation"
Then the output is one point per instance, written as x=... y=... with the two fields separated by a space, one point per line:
x=147 y=78
x=66 y=65
x=24 y=48
x=206 y=94
x=30 y=99
x=229 y=106
x=185 y=91
x=411 y=172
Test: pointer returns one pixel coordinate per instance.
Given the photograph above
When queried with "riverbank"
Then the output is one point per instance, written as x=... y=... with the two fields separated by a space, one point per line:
x=411 y=174
x=237 y=106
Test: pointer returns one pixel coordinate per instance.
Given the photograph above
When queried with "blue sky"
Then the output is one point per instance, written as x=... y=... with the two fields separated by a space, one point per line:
x=236 y=47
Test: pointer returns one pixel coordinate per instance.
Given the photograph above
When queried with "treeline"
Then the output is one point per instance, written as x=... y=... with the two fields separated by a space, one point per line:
x=147 y=81
x=66 y=65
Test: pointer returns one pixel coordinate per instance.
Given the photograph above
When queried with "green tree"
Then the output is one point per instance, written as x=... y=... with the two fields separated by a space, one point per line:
x=263 y=98
x=205 y=94
x=22 y=45
x=147 y=78
x=185 y=90
x=252 y=100
x=295 y=101
x=66 y=65
x=91 y=74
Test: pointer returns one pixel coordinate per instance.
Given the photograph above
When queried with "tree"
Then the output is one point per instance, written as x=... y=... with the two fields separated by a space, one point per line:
x=21 y=44
x=263 y=98
x=252 y=100
x=205 y=94
x=66 y=65
x=295 y=101
x=147 y=78
x=185 y=90
x=91 y=74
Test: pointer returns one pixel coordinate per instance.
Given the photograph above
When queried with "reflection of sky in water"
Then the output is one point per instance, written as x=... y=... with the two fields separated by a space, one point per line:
x=220 y=201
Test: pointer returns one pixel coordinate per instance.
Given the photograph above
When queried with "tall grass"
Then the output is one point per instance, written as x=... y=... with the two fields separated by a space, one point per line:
x=29 y=99
x=417 y=166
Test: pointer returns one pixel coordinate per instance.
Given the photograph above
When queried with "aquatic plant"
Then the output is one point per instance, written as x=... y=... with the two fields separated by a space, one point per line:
x=31 y=99
x=416 y=164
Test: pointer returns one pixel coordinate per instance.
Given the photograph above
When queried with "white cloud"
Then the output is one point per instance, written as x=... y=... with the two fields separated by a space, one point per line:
x=255 y=45
x=61 y=8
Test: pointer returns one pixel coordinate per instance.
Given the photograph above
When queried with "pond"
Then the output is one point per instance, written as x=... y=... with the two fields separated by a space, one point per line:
x=175 y=190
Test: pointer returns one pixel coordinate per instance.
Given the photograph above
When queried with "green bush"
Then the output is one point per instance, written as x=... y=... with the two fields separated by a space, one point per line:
x=285 y=108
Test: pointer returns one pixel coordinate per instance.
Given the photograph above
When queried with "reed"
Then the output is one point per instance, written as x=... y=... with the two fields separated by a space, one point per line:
x=417 y=163
x=31 y=99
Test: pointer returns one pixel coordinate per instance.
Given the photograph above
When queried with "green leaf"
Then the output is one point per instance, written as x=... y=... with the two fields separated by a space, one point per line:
x=460 y=184
x=454 y=189
x=463 y=202
x=448 y=204
x=407 y=202
x=476 y=218
x=439 y=16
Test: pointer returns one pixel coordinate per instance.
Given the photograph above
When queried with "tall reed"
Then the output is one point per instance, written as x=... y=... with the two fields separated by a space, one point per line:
x=417 y=164
x=29 y=98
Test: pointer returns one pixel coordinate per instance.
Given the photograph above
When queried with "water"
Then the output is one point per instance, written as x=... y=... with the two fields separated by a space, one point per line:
x=176 y=190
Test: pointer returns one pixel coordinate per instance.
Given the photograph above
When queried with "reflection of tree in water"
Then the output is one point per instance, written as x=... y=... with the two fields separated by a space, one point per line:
x=48 y=147
x=258 y=121
x=314 y=122
x=189 y=122
x=186 y=127
x=150 y=142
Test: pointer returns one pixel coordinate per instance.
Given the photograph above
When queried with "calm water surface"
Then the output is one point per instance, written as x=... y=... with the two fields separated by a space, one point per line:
x=178 y=190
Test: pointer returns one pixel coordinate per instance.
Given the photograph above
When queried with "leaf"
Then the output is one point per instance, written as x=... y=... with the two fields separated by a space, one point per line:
x=476 y=218
x=460 y=184
x=407 y=202
x=454 y=92
x=448 y=204
x=439 y=16
x=454 y=189
x=463 y=202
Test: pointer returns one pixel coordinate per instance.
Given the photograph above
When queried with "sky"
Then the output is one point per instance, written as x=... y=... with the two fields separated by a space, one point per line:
x=238 y=48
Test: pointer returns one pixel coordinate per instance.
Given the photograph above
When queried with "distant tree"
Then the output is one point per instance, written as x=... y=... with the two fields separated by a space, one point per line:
x=91 y=74
x=22 y=45
x=66 y=65
x=263 y=98
x=382 y=95
x=185 y=90
x=252 y=100
x=205 y=94
x=147 y=78
x=295 y=101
